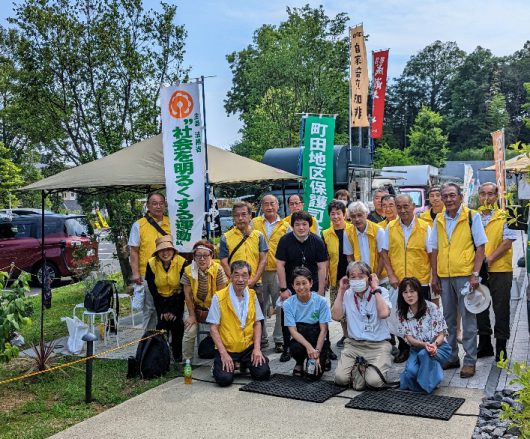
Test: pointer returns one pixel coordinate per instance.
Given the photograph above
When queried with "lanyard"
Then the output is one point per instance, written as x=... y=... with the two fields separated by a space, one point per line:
x=357 y=302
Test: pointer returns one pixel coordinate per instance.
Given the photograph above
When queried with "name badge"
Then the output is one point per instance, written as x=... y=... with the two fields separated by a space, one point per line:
x=368 y=328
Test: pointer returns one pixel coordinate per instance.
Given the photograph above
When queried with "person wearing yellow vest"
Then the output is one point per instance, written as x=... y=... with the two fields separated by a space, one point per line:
x=458 y=244
x=436 y=203
x=200 y=280
x=273 y=228
x=162 y=275
x=499 y=274
x=241 y=243
x=235 y=325
x=142 y=245
x=388 y=203
x=368 y=239
x=296 y=204
x=338 y=239
x=407 y=254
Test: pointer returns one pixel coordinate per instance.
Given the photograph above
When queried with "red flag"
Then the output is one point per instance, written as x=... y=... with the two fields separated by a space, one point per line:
x=378 y=92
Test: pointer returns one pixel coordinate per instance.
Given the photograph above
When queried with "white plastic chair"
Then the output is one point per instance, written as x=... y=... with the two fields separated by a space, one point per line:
x=104 y=319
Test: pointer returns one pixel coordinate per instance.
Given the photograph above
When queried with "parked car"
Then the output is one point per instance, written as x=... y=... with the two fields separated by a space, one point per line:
x=20 y=243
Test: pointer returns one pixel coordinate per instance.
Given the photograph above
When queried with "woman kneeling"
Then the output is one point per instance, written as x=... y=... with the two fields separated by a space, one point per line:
x=422 y=325
x=307 y=316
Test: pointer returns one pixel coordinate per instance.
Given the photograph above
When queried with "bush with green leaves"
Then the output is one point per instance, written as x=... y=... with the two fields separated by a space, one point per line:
x=15 y=310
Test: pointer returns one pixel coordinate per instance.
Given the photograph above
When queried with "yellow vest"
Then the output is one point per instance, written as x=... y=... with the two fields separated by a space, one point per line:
x=426 y=216
x=313 y=228
x=148 y=236
x=371 y=231
x=280 y=229
x=494 y=231
x=167 y=282
x=412 y=260
x=332 y=245
x=455 y=258
x=248 y=251
x=235 y=339
x=212 y=284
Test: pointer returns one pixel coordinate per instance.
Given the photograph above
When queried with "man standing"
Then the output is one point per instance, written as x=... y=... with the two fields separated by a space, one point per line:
x=296 y=204
x=388 y=205
x=338 y=239
x=499 y=273
x=377 y=215
x=299 y=248
x=272 y=228
x=406 y=253
x=144 y=233
x=457 y=242
x=241 y=243
x=436 y=203
x=235 y=325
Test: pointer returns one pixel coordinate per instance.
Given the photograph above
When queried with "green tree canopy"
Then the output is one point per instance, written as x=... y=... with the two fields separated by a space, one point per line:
x=10 y=178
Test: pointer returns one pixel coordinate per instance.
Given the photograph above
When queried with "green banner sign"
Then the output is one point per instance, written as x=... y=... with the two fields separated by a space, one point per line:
x=319 y=136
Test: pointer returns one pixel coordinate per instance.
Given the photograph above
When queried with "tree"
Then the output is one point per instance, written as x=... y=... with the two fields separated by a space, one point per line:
x=299 y=66
x=428 y=144
x=86 y=78
x=10 y=178
x=386 y=156
x=497 y=115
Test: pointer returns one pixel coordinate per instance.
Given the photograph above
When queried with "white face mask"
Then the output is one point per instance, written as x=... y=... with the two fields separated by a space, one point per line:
x=358 y=285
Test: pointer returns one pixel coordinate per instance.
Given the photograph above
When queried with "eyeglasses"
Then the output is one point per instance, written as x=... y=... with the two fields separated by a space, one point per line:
x=202 y=255
x=295 y=203
x=451 y=195
x=155 y=204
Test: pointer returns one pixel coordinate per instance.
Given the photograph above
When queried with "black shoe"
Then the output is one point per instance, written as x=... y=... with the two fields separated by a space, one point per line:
x=285 y=357
x=485 y=349
x=278 y=347
x=327 y=365
x=401 y=357
x=265 y=343
x=340 y=343
x=332 y=355
x=451 y=365
x=500 y=347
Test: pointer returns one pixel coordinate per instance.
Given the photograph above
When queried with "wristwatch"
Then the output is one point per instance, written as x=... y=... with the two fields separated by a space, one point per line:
x=475 y=273
x=377 y=290
x=283 y=289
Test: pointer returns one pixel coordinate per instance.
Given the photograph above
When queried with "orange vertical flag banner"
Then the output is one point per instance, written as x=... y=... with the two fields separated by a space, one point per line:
x=358 y=78
x=380 y=62
x=500 y=164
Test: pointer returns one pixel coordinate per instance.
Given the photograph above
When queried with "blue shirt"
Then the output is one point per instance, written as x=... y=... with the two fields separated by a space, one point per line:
x=315 y=310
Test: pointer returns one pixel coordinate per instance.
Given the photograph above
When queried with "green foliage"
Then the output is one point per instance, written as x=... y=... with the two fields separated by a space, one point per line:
x=387 y=156
x=497 y=115
x=10 y=178
x=519 y=416
x=428 y=144
x=299 y=66
x=14 y=313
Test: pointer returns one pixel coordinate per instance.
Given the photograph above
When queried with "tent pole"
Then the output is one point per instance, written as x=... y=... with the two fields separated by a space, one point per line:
x=206 y=176
x=284 y=199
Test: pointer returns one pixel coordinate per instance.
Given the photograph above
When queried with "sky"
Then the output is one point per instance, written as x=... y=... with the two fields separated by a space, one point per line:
x=218 y=27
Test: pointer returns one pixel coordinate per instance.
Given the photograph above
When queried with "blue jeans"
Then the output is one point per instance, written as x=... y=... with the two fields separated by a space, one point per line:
x=422 y=372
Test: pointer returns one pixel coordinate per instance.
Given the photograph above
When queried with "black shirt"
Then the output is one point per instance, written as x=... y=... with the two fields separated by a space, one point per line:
x=343 y=259
x=297 y=254
x=375 y=217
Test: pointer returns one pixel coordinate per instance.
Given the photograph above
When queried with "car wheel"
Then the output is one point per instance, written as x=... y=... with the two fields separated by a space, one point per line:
x=52 y=270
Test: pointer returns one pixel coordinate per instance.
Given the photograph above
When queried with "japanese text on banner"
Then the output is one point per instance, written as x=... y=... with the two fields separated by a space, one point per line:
x=500 y=164
x=378 y=93
x=358 y=78
x=319 y=136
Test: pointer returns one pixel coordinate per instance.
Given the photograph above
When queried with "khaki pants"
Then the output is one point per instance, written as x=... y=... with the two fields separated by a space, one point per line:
x=190 y=335
x=270 y=288
x=376 y=353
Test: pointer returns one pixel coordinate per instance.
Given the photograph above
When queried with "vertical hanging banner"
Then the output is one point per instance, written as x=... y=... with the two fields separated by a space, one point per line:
x=358 y=78
x=500 y=164
x=183 y=162
x=380 y=61
x=468 y=183
x=317 y=170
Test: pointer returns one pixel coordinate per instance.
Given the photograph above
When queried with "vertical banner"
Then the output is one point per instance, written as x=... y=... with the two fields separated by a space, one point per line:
x=317 y=168
x=468 y=183
x=500 y=164
x=358 y=78
x=380 y=61
x=183 y=162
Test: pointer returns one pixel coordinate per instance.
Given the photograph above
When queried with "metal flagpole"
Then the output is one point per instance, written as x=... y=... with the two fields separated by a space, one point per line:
x=349 y=103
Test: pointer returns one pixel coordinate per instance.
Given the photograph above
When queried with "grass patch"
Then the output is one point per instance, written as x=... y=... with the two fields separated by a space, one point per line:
x=41 y=406
x=63 y=301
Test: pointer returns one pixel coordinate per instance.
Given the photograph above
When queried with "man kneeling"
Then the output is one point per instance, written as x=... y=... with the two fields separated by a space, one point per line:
x=235 y=326
x=366 y=306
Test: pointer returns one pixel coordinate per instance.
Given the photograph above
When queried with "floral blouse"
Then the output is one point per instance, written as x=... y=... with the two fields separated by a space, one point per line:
x=425 y=329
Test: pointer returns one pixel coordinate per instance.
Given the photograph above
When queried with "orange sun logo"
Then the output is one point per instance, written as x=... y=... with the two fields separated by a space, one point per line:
x=180 y=104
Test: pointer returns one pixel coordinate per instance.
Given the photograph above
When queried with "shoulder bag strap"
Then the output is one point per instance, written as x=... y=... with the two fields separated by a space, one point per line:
x=237 y=248
x=151 y=221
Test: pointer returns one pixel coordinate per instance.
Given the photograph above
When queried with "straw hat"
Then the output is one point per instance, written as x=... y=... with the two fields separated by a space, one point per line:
x=164 y=242
x=478 y=300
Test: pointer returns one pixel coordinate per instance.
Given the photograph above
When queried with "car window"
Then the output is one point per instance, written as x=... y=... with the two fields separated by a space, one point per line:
x=76 y=227
x=23 y=230
x=7 y=230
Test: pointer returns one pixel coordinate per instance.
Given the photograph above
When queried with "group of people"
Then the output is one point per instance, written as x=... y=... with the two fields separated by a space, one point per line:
x=378 y=266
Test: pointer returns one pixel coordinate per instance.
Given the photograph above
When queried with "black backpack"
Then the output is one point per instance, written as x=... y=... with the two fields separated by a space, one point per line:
x=99 y=298
x=152 y=358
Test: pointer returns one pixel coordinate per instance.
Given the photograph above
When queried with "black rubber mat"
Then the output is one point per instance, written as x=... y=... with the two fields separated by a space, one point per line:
x=407 y=403
x=293 y=387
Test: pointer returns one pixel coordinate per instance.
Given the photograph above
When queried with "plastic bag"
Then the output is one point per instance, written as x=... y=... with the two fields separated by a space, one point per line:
x=138 y=296
x=76 y=329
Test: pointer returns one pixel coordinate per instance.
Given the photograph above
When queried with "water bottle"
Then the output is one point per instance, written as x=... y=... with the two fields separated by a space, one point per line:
x=311 y=366
x=187 y=372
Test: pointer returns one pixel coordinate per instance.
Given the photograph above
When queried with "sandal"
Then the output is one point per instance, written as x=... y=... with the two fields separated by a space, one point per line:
x=298 y=371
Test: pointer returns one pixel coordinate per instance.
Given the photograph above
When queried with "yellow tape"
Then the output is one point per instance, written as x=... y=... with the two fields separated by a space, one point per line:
x=81 y=360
